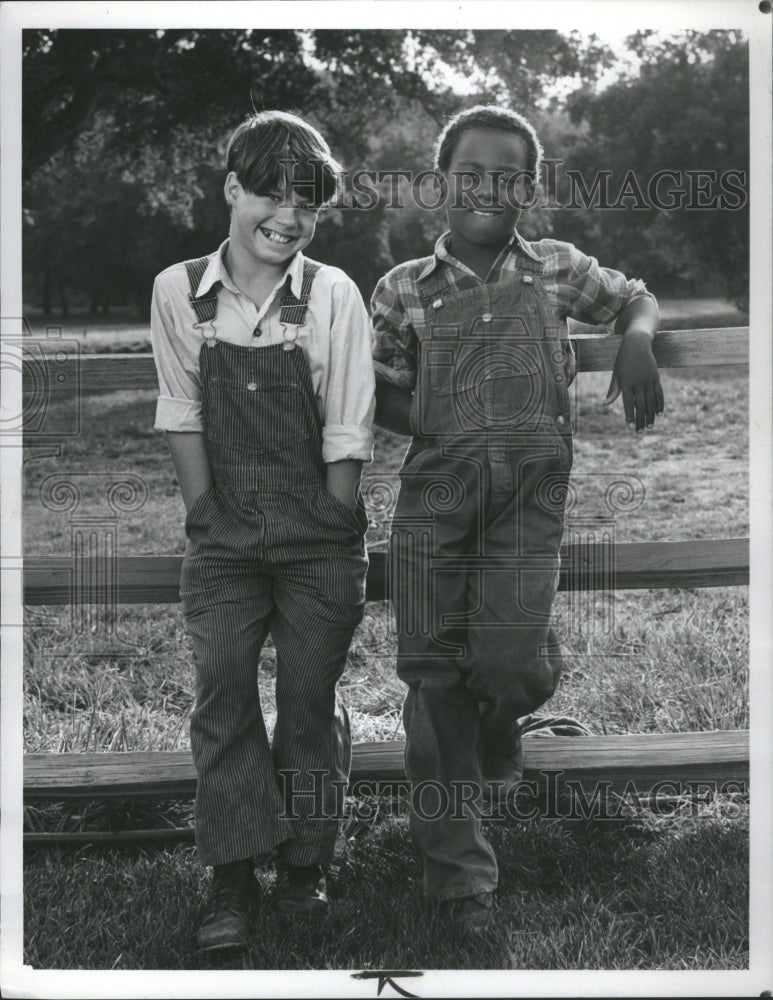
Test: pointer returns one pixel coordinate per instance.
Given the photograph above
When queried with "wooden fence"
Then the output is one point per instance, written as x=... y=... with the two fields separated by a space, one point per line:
x=646 y=760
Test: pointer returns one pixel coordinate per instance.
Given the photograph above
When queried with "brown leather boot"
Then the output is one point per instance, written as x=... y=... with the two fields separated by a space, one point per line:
x=233 y=897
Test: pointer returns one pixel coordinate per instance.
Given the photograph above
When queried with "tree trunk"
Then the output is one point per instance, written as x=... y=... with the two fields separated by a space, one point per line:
x=47 y=289
x=62 y=289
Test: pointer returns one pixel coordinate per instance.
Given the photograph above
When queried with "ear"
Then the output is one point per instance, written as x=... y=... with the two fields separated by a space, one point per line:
x=232 y=189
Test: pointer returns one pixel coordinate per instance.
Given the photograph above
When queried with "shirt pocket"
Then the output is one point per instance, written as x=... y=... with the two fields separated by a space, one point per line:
x=253 y=416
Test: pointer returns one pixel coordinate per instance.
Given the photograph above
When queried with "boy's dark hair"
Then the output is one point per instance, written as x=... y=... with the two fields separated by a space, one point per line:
x=493 y=117
x=269 y=144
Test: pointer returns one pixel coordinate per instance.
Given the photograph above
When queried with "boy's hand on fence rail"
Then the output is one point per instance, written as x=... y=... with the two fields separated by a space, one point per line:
x=635 y=375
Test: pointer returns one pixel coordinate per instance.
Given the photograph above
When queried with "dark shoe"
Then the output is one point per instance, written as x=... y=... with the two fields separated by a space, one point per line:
x=232 y=899
x=502 y=765
x=471 y=913
x=300 y=889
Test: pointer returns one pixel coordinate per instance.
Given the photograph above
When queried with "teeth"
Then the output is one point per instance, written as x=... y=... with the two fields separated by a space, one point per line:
x=476 y=212
x=275 y=237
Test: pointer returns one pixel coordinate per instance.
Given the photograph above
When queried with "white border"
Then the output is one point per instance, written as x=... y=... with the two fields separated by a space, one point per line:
x=584 y=15
x=761 y=492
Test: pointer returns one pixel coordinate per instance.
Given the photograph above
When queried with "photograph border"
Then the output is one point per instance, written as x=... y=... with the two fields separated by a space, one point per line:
x=16 y=979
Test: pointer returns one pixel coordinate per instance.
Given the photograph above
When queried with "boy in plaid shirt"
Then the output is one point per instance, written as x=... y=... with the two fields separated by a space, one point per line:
x=473 y=360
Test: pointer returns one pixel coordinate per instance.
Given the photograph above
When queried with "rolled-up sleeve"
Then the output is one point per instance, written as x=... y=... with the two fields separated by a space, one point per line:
x=394 y=339
x=596 y=294
x=179 y=400
x=350 y=400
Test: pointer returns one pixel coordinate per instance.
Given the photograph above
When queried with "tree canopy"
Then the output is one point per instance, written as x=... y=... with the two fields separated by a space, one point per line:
x=124 y=135
x=686 y=113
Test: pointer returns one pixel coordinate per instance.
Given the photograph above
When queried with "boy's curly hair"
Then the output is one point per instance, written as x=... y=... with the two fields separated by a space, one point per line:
x=493 y=117
x=267 y=141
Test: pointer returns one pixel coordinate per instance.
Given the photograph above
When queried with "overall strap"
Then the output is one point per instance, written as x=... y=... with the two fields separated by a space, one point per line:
x=293 y=310
x=205 y=307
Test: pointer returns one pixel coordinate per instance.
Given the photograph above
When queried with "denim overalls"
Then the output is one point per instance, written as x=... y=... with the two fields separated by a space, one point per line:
x=270 y=550
x=474 y=552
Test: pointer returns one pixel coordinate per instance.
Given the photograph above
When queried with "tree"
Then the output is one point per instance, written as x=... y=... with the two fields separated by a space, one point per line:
x=687 y=111
x=128 y=129
x=149 y=83
x=521 y=68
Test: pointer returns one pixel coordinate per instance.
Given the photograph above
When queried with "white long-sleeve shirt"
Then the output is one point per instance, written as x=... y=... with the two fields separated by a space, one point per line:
x=335 y=339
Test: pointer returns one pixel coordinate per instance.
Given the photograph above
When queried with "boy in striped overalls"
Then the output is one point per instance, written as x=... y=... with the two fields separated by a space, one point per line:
x=267 y=398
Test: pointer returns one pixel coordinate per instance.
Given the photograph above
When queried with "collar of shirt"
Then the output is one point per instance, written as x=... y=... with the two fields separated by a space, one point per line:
x=515 y=244
x=217 y=271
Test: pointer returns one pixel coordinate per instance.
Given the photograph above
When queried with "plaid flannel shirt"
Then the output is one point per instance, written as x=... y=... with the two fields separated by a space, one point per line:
x=576 y=286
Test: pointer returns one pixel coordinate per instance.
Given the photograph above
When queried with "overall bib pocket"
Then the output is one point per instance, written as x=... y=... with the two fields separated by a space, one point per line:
x=482 y=387
x=253 y=417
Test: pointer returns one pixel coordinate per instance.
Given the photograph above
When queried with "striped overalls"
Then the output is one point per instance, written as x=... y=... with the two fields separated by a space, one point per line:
x=269 y=550
x=474 y=553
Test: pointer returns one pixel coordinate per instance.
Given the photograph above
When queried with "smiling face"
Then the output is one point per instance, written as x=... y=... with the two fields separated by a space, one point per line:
x=486 y=182
x=267 y=230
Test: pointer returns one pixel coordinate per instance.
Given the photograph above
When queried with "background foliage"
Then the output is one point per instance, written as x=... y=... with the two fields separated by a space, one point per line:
x=125 y=133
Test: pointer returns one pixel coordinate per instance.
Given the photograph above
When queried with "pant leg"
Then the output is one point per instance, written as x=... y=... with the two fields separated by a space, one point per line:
x=227 y=606
x=319 y=598
x=514 y=653
x=312 y=740
x=441 y=714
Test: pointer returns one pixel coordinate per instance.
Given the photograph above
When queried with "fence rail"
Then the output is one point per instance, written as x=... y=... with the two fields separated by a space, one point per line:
x=646 y=759
x=631 y=566
x=672 y=349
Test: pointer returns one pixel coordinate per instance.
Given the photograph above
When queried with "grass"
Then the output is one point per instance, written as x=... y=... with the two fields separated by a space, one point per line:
x=691 y=673
x=626 y=895
x=635 y=894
